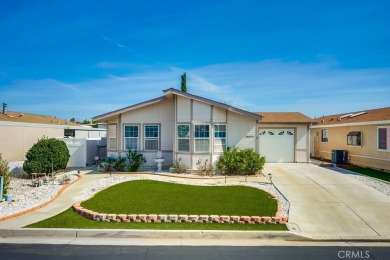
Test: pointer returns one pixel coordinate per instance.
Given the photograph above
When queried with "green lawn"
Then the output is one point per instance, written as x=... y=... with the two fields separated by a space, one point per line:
x=70 y=219
x=371 y=172
x=155 y=197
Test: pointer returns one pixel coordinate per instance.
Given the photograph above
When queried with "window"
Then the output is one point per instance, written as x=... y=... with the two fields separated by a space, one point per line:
x=151 y=137
x=354 y=138
x=324 y=135
x=183 y=138
x=131 y=137
x=384 y=138
x=202 y=138
x=69 y=133
x=112 y=137
x=219 y=138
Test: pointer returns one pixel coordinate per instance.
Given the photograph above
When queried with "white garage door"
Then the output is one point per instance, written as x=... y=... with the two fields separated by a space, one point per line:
x=277 y=144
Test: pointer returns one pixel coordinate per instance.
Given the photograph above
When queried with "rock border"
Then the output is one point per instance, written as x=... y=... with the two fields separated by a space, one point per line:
x=174 y=218
x=44 y=204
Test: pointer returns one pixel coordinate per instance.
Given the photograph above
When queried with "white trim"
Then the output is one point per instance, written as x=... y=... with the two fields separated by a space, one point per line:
x=26 y=124
x=219 y=138
x=138 y=138
x=151 y=138
x=354 y=124
x=189 y=138
x=377 y=139
x=361 y=139
x=202 y=138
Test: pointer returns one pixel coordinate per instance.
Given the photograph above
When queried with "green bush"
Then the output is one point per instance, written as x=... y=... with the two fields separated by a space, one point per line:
x=239 y=162
x=4 y=172
x=47 y=155
x=120 y=164
x=135 y=160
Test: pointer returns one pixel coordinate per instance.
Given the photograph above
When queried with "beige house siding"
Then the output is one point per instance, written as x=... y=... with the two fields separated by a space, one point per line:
x=183 y=109
x=16 y=140
x=241 y=131
x=366 y=155
x=161 y=114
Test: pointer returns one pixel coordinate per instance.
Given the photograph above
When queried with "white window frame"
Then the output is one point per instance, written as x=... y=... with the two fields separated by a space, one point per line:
x=152 y=138
x=124 y=137
x=112 y=140
x=327 y=135
x=183 y=138
x=201 y=138
x=355 y=145
x=377 y=138
x=224 y=147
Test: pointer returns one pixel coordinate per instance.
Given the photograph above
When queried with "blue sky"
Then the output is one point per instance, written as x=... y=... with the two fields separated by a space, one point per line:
x=85 y=58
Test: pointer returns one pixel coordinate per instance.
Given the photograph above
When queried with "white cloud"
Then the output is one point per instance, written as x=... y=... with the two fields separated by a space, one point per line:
x=272 y=85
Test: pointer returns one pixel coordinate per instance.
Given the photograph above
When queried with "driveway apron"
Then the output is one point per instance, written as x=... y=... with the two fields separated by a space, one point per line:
x=327 y=204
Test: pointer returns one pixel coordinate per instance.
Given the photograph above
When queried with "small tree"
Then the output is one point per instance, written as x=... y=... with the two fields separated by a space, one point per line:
x=4 y=172
x=47 y=155
x=184 y=82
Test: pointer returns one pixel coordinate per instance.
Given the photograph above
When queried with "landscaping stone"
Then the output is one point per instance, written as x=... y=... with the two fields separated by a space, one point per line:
x=173 y=217
x=183 y=218
x=245 y=218
x=193 y=218
x=152 y=217
x=132 y=217
x=162 y=217
x=256 y=219
x=266 y=219
x=142 y=217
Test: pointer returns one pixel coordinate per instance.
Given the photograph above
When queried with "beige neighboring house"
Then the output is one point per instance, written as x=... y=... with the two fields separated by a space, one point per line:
x=192 y=128
x=20 y=131
x=364 y=135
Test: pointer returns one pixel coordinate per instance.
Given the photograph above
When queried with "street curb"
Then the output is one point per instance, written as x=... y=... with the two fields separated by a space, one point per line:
x=79 y=177
x=152 y=234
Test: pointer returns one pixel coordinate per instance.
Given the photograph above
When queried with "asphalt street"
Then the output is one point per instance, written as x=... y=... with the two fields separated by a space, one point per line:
x=39 y=251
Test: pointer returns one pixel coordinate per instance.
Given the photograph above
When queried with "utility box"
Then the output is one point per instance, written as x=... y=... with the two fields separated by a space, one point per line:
x=339 y=156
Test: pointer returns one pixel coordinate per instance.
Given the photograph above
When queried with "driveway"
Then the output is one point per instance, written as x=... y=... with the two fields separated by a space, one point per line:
x=327 y=204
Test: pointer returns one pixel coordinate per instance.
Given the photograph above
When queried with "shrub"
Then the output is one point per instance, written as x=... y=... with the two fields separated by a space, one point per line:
x=179 y=167
x=120 y=164
x=204 y=168
x=135 y=160
x=239 y=162
x=46 y=155
x=4 y=172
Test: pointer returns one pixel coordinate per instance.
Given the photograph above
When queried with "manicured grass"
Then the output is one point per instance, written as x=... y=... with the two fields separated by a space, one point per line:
x=155 y=197
x=70 y=219
x=371 y=172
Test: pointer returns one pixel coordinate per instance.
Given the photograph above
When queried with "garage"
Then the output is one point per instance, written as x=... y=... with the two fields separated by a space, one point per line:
x=277 y=144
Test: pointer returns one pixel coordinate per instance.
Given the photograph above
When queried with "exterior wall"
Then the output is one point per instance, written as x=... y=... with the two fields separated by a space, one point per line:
x=16 y=140
x=366 y=155
x=302 y=139
x=162 y=114
x=241 y=131
x=183 y=109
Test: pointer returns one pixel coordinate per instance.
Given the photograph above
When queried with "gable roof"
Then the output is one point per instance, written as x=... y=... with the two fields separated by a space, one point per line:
x=171 y=91
x=168 y=93
x=380 y=114
x=20 y=117
x=285 y=117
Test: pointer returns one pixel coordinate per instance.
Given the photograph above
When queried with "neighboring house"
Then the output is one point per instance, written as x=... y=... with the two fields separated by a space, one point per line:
x=20 y=131
x=365 y=135
x=192 y=128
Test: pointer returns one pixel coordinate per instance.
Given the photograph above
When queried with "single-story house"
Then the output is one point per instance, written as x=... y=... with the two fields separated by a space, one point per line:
x=20 y=131
x=364 y=135
x=193 y=128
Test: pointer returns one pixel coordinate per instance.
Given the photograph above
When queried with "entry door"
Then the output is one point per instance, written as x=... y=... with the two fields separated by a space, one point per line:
x=278 y=145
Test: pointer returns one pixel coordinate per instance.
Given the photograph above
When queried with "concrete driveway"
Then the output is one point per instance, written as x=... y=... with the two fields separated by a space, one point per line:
x=326 y=204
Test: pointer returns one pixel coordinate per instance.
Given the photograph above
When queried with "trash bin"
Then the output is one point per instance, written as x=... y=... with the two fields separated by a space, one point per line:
x=8 y=198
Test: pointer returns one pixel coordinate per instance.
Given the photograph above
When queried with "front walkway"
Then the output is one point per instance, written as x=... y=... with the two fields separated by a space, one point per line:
x=327 y=204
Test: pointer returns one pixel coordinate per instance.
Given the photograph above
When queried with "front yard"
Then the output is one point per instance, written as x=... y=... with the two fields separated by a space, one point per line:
x=154 y=197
